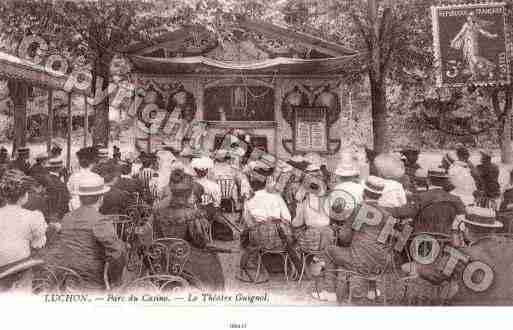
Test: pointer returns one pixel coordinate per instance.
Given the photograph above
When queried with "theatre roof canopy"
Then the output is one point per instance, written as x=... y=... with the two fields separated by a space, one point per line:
x=13 y=67
x=199 y=64
x=252 y=47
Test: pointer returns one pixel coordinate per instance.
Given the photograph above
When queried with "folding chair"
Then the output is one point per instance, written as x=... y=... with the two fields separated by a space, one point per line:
x=227 y=186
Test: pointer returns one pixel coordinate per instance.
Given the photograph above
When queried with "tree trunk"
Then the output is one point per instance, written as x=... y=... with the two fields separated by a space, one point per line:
x=379 y=116
x=377 y=81
x=101 y=129
x=505 y=137
x=18 y=91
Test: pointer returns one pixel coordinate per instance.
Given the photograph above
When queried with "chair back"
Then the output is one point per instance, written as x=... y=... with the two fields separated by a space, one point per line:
x=506 y=217
x=167 y=256
x=436 y=217
x=227 y=186
x=156 y=283
x=267 y=237
x=124 y=226
x=140 y=213
x=53 y=278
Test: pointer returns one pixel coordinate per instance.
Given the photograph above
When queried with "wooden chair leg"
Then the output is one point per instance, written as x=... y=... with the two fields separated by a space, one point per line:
x=259 y=265
x=350 y=289
x=286 y=264
x=303 y=267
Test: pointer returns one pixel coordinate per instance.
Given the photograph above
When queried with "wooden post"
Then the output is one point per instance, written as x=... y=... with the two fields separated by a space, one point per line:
x=49 y=133
x=68 y=146
x=18 y=90
x=86 y=122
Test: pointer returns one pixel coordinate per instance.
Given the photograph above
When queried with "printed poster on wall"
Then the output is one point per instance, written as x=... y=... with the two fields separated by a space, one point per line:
x=471 y=44
x=311 y=133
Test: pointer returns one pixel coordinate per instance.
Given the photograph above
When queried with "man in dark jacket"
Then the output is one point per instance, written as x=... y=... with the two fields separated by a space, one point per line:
x=39 y=168
x=21 y=162
x=126 y=183
x=115 y=201
x=37 y=198
x=87 y=241
x=410 y=157
x=58 y=195
x=434 y=210
x=487 y=183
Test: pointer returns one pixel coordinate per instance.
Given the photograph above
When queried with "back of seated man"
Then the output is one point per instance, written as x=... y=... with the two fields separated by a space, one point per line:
x=115 y=201
x=438 y=182
x=391 y=169
x=359 y=250
x=87 y=241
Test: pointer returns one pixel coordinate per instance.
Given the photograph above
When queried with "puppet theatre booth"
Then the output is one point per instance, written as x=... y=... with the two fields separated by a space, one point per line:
x=288 y=91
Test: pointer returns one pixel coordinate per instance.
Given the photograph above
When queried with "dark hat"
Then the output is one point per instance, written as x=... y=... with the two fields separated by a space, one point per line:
x=370 y=154
x=486 y=152
x=264 y=171
x=449 y=158
x=25 y=151
x=180 y=181
x=56 y=146
x=462 y=152
x=87 y=152
x=439 y=173
x=409 y=151
x=108 y=171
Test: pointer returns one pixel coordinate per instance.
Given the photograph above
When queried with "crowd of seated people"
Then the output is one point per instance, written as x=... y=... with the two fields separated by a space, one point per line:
x=283 y=206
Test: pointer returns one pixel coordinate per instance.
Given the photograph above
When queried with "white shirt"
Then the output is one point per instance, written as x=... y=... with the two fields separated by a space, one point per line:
x=353 y=188
x=393 y=195
x=466 y=198
x=310 y=212
x=271 y=205
x=212 y=189
x=20 y=229
x=73 y=183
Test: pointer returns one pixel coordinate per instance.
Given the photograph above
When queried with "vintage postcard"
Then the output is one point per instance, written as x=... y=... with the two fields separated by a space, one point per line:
x=255 y=154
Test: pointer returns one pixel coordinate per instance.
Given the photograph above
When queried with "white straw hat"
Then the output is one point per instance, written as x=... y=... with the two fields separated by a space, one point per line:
x=91 y=184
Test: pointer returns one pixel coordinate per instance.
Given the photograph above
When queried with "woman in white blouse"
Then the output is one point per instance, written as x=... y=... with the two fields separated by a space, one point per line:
x=20 y=229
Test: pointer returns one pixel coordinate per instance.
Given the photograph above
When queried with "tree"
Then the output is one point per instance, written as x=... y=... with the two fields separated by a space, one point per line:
x=97 y=31
x=394 y=36
x=91 y=31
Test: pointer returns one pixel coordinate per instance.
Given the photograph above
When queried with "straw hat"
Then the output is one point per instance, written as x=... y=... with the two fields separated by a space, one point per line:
x=374 y=184
x=315 y=158
x=313 y=167
x=103 y=153
x=482 y=217
x=347 y=170
x=42 y=156
x=202 y=163
x=55 y=163
x=91 y=184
